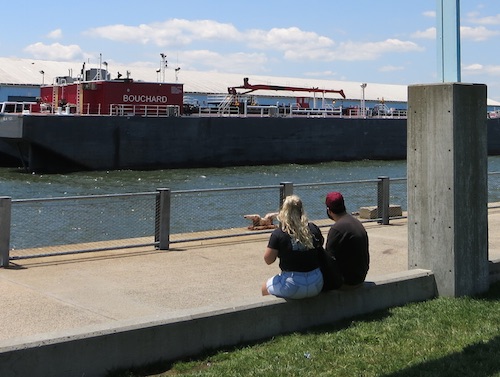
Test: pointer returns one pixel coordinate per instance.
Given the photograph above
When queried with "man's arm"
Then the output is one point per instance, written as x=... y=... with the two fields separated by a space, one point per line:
x=332 y=241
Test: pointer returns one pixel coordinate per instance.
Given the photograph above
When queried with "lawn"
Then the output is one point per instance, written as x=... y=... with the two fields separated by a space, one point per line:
x=440 y=337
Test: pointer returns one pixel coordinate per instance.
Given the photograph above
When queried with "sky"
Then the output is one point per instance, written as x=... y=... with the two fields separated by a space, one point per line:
x=384 y=41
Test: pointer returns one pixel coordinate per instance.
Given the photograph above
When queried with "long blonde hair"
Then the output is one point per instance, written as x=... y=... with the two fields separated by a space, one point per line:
x=294 y=221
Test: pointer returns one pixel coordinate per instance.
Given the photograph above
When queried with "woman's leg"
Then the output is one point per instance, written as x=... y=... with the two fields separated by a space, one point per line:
x=265 y=292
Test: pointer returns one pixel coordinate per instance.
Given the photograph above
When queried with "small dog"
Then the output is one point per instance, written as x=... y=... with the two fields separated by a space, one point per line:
x=261 y=223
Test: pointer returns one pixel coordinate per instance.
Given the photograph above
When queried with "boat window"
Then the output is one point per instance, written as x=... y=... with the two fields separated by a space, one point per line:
x=9 y=108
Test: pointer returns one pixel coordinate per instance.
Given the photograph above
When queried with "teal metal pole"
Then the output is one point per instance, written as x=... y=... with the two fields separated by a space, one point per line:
x=448 y=40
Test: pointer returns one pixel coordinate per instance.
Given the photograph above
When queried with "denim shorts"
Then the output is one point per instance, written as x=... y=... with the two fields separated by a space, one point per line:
x=296 y=284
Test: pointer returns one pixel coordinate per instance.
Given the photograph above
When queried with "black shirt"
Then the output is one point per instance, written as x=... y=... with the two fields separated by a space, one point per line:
x=347 y=241
x=292 y=254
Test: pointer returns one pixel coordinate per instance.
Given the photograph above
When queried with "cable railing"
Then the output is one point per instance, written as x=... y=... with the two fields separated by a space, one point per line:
x=79 y=224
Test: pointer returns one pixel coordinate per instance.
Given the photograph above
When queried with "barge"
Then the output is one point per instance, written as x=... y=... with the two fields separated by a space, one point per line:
x=56 y=143
x=123 y=124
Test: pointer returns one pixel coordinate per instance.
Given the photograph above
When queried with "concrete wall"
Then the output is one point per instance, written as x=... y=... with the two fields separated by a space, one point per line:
x=94 y=351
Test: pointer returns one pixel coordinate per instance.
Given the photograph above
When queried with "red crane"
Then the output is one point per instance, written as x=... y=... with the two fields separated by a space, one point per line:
x=251 y=88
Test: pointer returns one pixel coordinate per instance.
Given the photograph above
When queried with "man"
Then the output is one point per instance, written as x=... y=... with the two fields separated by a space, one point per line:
x=347 y=242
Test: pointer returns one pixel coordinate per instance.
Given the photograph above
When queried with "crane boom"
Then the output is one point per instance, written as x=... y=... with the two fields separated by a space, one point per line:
x=250 y=88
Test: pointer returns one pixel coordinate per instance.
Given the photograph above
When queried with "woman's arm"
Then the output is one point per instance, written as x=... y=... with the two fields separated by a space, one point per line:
x=270 y=255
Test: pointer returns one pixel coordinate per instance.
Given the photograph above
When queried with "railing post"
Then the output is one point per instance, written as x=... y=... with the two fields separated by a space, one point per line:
x=383 y=200
x=162 y=221
x=286 y=189
x=5 y=217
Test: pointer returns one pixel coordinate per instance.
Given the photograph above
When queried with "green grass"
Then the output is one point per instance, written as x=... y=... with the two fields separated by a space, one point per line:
x=441 y=337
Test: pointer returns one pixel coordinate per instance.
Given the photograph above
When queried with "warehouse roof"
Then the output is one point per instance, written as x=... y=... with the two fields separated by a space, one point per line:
x=36 y=72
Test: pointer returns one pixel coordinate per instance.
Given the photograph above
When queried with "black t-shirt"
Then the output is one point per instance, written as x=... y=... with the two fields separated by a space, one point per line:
x=347 y=241
x=292 y=254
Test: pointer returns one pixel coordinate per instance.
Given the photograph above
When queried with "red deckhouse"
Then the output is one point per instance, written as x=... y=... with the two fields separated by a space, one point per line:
x=112 y=97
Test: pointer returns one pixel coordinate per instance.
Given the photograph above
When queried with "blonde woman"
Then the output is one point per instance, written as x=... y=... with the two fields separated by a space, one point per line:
x=296 y=244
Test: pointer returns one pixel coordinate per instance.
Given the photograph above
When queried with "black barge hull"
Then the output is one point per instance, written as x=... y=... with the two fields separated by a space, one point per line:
x=57 y=143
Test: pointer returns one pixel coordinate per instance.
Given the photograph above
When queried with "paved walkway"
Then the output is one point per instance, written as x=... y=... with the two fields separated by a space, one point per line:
x=55 y=294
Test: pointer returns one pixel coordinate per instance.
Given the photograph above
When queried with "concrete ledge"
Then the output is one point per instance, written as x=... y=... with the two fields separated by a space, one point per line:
x=93 y=352
x=372 y=211
x=494 y=269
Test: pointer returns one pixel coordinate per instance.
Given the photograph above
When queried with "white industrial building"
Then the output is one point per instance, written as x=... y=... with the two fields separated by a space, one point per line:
x=21 y=79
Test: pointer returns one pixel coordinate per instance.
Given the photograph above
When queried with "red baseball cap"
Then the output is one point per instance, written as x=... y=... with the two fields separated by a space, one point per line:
x=335 y=202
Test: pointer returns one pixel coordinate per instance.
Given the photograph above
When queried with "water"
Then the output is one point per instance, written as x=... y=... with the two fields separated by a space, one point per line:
x=55 y=223
x=63 y=222
x=20 y=185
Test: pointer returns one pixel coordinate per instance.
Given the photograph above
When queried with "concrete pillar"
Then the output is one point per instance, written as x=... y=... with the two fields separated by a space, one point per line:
x=447 y=185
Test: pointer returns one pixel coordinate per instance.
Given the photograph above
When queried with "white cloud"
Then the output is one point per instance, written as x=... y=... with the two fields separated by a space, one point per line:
x=55 y=51
x=430 y=14
x=285 y=39
x=493 y=70
x=488 y=20
x=429 y=33
x=477 y=33
x=234 y=62
x=475 y=69
x=122 y=33
x=174 y=32
x=180 y=32
x=55 y=34
x=353 y=51
x=373 y=50
x=294 y=44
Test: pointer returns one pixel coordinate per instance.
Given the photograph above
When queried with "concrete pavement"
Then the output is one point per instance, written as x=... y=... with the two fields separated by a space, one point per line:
x=53 y=295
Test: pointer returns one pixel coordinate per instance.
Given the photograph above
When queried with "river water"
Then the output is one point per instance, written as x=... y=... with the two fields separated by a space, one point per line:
x=43 y=224
x=20 y=185
x=64 y=225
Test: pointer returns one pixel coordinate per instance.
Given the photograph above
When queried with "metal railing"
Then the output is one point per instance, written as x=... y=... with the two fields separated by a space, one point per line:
x=144 y=110
x=68 y=225
x=494 y=190
x=79 y=224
